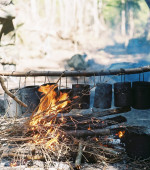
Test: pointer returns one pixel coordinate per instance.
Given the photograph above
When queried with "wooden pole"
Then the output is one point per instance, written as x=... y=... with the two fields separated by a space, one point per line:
x=77 y=73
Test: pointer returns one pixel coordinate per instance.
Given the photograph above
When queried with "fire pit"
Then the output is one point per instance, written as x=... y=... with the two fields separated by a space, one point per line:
x=48 y=131
x=51 y=134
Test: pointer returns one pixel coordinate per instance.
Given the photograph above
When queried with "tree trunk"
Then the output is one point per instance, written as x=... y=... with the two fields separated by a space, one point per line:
x=147 y=29
x=131 y=24
x=96 y=25
x=127 y=23
x=34 y=8
x=80 y=14
x=61 y=10
x=53 y=13
x=123 y=20
x=47 y=8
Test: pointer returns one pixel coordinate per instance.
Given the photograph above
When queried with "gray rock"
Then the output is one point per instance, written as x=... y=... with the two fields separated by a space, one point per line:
x=77 y=62
x=59 y=166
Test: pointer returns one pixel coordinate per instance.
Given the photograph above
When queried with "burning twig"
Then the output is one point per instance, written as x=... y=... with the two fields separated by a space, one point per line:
x=45 y=96
x=10 y=94
x=79 y=156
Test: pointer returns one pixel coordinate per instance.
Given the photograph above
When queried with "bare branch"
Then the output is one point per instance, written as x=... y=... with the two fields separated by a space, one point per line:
x=10 y=94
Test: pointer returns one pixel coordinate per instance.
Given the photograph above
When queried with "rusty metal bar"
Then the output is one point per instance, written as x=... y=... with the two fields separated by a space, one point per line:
x=77 y=73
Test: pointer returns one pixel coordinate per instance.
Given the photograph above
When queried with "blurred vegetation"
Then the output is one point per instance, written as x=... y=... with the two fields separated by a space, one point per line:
x=39 y=22
x=89 y=14
x=112 y=13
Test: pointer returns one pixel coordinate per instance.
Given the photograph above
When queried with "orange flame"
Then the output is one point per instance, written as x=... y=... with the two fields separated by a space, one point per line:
x=13 y=164
x=100 y=144
x=75 y=97
x=43 y=122
x=95 y=139
x=120 y=134
x=89 y=128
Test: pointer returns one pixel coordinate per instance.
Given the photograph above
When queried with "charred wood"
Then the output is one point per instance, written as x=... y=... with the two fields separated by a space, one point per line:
x=93 y=123
x=79 y=156
x=23 y=153
x=85 y=133
x=110 y=151
x=112 y=111
x=87 y=116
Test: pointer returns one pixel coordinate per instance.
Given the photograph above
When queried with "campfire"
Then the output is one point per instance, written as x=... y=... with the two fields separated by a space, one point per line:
x=51 y=135
x=42 y=125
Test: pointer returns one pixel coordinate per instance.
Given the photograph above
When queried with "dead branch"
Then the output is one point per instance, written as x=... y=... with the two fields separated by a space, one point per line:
x=77 y=73
x=84 y=133
x=81 y=116
x=22 y=153
x=109 y=150
x=13 y=139
x=93 y=123
x=112 y=111
x=79 y=156
x=10 y=94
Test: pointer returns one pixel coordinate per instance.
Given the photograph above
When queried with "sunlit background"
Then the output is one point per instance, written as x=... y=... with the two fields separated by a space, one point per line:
x=104 y=32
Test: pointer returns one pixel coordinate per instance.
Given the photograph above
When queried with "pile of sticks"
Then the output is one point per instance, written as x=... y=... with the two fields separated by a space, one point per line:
x=92 y=124
x=81 y=131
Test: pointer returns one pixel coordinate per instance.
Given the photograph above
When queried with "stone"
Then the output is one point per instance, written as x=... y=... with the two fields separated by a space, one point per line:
x=59 y=166
x=77 y=62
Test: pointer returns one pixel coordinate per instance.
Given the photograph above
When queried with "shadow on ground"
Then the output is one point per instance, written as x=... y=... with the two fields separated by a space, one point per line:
x=135 y=46
x=92 y=65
